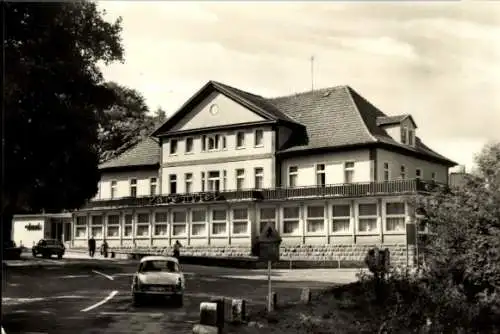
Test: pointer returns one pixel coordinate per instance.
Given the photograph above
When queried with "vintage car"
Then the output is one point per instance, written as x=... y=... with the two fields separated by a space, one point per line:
x=48 y=247
x=158 y=276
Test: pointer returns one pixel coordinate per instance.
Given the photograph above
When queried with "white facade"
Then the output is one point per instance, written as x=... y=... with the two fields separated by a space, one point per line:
x=220 y=145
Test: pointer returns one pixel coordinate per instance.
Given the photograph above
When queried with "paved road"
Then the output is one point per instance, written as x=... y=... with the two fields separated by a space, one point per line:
x=92 y=296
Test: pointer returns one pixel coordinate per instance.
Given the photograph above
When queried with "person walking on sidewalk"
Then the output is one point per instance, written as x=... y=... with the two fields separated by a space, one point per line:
x=91 y=246
x=104 y=248
x=177 y=249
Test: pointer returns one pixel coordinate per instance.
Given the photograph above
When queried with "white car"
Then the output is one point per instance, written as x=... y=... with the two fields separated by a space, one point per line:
x=158 y=276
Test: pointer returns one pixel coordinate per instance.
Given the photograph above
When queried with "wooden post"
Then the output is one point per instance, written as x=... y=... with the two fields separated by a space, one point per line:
x=269 y=288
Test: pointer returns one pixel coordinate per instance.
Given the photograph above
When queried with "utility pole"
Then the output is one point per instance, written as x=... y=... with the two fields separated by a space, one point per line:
x=312 y=73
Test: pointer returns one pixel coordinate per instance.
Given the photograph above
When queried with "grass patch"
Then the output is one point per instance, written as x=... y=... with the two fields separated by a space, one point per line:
x=341 y=309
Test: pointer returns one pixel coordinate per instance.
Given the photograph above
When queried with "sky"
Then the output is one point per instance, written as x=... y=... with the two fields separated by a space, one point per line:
x=439 y=62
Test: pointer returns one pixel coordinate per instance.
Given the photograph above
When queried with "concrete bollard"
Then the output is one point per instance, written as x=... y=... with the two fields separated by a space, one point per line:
x=221 y=311
x=305 y=296
x=274 y=301
x=209 y=319
x=238 y=311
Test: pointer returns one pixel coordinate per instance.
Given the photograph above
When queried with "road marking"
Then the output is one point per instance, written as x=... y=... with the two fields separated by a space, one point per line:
x=105 y=300
x=103 y=274
x=134 y=313
x=74 y=276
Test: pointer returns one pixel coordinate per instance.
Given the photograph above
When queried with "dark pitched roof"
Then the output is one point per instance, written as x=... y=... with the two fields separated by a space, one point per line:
x=144 y=153
x=339 y=116
x=389 y=120
x=331 y=118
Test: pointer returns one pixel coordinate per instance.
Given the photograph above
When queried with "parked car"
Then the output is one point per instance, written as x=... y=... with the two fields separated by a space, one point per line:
x=11 y=251
x=158 y=276
x=48 y=247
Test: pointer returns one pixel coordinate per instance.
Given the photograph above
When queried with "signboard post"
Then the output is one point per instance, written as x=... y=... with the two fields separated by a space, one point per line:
x=269 y=251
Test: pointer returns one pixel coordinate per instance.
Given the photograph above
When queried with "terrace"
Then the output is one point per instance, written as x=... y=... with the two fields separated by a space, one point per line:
x=350 y=190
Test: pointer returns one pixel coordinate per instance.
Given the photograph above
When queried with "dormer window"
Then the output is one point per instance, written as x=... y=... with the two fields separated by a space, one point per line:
x=404 y=135
x=411 y=137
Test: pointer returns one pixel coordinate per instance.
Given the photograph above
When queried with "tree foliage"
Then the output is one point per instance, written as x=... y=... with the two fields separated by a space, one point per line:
x=54 y=93
x=126 y=122
x=458 y=289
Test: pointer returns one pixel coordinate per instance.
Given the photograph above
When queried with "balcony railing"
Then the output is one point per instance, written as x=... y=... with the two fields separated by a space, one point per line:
x=395 y=187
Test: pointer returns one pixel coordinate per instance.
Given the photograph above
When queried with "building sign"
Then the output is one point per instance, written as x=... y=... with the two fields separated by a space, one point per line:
x=188 y=198
x=33 y=227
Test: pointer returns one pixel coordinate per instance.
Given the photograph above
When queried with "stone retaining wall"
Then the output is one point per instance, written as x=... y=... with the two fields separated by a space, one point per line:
x=293 y=253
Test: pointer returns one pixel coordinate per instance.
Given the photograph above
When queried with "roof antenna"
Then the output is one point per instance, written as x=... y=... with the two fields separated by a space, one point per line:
x=312 y=73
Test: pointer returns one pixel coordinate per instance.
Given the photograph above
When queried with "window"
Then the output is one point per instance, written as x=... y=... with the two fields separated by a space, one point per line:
x=259 y=178
x=113 y=226
x=348 y=172
x=291 y=220
x=81 y=227
x=203 y=143
x=214 y=181
x=96 y=228
x=173 y=146
x=179 y=220
x=189 y=145
x=395 y=217
x=133 y=187
x=267 y=215
x=320 y=175
x=240 y=221
x=240 y=179
x=161 y=224
x=341 y=218
x=173 y=183
x=433 y=176
x=293 y=174
x=128 y=225
x=153 y=185
x=142 y=225
x=213 y=142
x=315 y=219
x=418 y=174
x=219 y=222
x=224 y=179
x=386 y=171
x=411 y=137
x=240 y=139
x=113 y=189
x=188 y=180
x=259 y=138
x=198 y=222
x=203 y=181
x=403 y=135
x=402 y=175
x=367 y=217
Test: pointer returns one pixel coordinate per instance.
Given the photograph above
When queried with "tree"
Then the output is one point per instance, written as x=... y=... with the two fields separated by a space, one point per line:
x=126 y=122
x=122 y=125
x=461 y=286
x=53 y=93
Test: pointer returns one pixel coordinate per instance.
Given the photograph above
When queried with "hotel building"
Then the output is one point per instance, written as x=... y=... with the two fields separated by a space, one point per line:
x=331 y=171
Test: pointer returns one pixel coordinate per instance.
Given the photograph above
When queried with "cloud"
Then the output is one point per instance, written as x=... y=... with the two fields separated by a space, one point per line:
x=438 y=61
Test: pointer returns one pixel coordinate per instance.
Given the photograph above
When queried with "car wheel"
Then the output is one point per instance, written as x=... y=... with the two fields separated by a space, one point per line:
x=34 y=253
x=178 y=300
x=59 y=256
x=137 y=299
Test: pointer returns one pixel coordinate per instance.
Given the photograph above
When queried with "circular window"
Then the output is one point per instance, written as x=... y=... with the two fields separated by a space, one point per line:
x=214 y=109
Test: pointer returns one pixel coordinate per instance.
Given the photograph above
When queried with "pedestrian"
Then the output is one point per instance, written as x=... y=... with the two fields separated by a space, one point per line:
x=177 y=249
x=91 y=246
x=104 y=248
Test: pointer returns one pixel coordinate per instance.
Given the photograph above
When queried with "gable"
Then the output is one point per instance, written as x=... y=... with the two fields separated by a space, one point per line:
x=229 y=112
